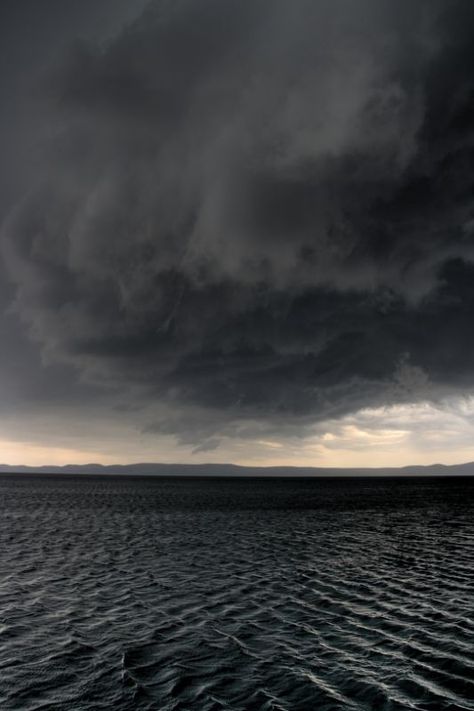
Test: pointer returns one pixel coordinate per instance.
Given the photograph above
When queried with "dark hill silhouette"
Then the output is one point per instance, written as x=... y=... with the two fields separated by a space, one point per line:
x=233 y=470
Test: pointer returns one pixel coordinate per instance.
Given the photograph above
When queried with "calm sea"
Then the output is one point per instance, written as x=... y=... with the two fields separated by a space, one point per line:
x=167 y=594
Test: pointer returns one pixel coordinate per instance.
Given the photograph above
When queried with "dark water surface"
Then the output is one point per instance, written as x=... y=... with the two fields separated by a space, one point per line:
x=262 y=594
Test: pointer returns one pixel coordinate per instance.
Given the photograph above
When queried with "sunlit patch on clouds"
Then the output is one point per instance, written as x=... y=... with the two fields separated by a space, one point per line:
x=401 y=434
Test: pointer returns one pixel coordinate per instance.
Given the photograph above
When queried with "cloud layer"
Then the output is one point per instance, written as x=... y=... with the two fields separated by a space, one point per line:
x=258 y=209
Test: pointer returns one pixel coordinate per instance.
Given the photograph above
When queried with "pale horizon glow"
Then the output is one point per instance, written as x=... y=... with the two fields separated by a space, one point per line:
x=400 y=435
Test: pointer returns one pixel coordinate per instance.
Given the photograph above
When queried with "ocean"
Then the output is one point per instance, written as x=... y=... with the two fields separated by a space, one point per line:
x=239 y=594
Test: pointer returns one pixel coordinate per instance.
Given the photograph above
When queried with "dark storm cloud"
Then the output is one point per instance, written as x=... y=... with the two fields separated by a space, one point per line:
x=262 y=208
x=33 y=37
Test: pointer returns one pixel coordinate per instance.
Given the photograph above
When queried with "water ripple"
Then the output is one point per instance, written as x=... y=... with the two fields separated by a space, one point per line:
x=236 y=595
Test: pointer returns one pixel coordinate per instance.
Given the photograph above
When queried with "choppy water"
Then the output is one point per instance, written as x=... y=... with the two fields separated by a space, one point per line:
x=283 y=595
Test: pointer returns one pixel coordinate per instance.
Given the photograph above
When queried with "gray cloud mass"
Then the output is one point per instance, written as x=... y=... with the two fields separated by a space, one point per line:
x=260 y=208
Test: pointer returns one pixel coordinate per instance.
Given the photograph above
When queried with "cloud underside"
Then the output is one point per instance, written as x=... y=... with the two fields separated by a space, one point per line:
x=259 y=209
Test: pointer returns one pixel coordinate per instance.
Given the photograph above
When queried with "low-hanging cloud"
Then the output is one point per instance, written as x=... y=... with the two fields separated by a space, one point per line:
x=259 y=207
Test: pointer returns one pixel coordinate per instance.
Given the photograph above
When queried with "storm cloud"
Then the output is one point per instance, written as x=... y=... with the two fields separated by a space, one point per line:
x=258 y=210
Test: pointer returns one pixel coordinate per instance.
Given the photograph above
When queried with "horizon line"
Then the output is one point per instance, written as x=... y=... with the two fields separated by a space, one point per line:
x=232 y=465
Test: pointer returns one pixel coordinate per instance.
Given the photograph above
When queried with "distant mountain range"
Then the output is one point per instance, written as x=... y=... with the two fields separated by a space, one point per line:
x=226 y=470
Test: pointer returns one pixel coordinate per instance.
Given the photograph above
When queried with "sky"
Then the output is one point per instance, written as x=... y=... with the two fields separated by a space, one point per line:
x=237 y=230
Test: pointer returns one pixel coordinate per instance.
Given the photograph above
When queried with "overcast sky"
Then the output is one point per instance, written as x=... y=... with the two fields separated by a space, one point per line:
x=237 y=230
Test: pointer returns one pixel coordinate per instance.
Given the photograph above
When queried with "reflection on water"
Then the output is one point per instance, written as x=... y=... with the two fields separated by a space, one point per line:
x=285 y=595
